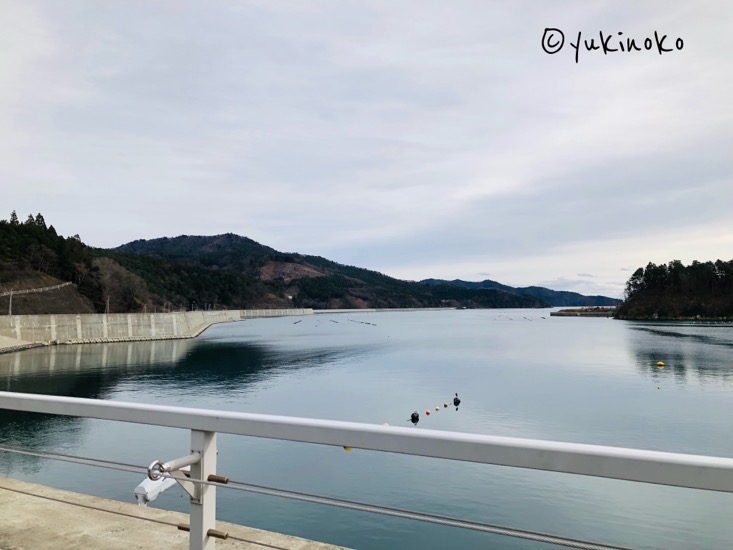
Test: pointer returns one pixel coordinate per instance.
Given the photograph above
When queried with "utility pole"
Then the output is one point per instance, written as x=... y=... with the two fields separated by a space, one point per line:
x=106 y=309
x=10 y=306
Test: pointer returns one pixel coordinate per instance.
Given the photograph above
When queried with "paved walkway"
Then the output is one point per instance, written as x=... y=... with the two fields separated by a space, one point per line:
x=41 y=518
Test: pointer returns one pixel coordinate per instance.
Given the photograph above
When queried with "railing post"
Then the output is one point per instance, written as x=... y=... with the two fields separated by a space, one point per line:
x=203 y=510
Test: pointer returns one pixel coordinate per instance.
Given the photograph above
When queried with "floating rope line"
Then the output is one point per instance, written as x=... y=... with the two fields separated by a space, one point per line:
x=329 y=501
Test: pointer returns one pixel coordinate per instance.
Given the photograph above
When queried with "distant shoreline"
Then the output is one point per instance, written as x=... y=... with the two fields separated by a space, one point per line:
x=386 y=310
x=597 y=311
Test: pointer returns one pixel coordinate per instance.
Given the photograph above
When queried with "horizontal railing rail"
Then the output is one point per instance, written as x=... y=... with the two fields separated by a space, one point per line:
x=656 y=467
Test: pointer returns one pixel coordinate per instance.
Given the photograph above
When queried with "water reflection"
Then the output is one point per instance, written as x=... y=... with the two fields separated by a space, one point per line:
x=100 y=371
x=88 y=371
x=62 y=364
x=685 y=349
x=692 y=332
x=93 y=371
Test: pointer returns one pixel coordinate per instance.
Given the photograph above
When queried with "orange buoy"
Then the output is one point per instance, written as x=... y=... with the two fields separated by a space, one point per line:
x=427 y=412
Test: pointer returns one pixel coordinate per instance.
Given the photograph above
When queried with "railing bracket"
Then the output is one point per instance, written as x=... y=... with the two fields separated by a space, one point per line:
x=158 y=469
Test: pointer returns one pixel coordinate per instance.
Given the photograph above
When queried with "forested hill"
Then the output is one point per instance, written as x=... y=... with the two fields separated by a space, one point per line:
x=33 y=255
x=224 y=271
x=553 y=297
x=675 y=291
x=313 y=281
x=226 y=251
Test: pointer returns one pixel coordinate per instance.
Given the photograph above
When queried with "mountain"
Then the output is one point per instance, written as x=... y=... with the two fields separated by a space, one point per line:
x=308 y=281
x=553 y=297
x=228 y=251
x=470 y=284
x=203 y=272
x=565 y=298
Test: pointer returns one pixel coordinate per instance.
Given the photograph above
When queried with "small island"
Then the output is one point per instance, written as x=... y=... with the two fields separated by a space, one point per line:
x=673 y=291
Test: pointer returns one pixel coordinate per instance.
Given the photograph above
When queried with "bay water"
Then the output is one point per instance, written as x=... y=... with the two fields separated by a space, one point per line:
x=519 y=373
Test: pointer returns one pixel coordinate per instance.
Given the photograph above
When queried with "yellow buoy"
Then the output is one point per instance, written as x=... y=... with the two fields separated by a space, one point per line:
x=347 y=448
x=445 y=405
x=437 y=408
x=660 y=364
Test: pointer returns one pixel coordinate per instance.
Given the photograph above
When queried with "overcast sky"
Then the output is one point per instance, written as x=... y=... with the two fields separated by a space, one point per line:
x=417 y=138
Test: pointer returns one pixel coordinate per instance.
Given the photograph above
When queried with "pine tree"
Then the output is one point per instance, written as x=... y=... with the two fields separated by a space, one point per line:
x=13 y=218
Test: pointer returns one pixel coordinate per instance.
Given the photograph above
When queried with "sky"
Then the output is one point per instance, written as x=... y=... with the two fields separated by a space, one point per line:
x=416 y=138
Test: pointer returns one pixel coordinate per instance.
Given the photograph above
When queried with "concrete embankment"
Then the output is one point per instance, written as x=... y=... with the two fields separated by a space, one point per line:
x=43 y=518
x=18 y=332
x=22 y=330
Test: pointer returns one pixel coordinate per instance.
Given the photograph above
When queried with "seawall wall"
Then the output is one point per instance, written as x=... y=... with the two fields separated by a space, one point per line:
x=124 y=327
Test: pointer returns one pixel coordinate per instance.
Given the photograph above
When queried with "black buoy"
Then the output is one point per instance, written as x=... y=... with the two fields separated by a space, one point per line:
x=415 y=417
x=456 y=401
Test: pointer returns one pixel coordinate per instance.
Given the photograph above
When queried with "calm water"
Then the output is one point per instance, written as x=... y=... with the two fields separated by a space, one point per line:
x=518 y=372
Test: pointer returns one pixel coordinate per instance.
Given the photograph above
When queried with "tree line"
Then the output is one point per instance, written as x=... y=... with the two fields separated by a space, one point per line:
x=674 y=290
x=32 y=245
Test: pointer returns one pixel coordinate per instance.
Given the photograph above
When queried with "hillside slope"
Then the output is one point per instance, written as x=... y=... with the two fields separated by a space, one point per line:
x=215 y=272
x=61 y=300
x=312 y=281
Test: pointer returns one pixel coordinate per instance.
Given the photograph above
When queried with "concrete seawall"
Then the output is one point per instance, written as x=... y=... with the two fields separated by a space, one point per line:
x=124 y=327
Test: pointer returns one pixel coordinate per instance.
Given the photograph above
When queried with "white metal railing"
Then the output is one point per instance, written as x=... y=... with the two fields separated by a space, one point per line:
x=674 y=469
